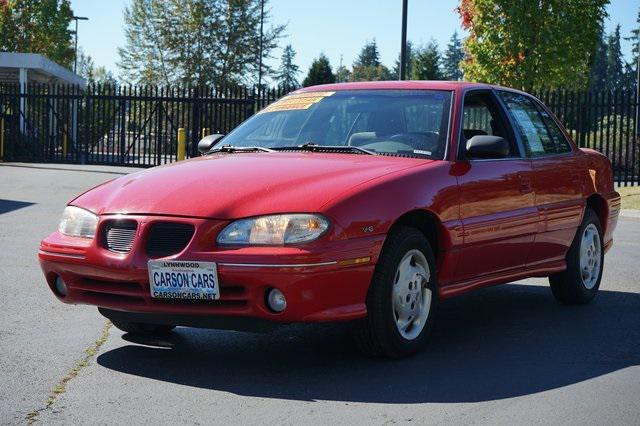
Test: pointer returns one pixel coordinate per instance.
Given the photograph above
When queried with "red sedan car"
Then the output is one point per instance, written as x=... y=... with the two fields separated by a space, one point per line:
x=369 y=202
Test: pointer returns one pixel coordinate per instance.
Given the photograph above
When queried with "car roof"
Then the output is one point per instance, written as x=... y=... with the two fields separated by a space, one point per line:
x=401 y=85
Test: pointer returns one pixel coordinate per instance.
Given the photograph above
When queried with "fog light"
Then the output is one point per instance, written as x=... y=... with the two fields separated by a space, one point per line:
x=276 y=300
x=61 y=287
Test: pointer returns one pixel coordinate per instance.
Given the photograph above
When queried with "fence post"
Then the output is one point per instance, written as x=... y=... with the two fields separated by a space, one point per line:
x=205 y=132
x=2 y=138
x=182 y=143
x=65 y=140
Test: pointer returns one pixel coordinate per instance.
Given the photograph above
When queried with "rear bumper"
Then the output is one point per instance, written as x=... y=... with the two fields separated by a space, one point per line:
x=319 y=285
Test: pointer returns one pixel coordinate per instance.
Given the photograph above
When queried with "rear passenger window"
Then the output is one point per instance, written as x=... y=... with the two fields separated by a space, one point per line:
x=560 y=142
x=536 y=138
x=539 y=133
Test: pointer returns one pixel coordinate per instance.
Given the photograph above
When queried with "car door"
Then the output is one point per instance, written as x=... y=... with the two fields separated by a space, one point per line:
x=497 y=207
x=558 y=176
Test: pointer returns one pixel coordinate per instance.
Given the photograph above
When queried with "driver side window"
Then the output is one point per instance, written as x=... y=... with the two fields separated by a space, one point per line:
x=481 y=116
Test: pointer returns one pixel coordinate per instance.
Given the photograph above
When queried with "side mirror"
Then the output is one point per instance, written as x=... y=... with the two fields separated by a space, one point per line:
x=486 y=146
x=207 y=142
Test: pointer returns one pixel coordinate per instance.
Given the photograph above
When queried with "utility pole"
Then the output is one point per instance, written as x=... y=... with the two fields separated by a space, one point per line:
x=75 y=60
x=261 y=39
x=403 y=46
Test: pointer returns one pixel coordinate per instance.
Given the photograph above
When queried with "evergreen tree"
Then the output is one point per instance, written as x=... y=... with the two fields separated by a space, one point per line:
x=320 y=72
x=369 y=55
x=452 y=58
x=427 y=63
x=634 y=38
x=370 y=73
x=615 y=69
x=37 y=26
x=598 y=71
x=287 y=75
x=411 y=56
x=367 y=66
x=631 y=68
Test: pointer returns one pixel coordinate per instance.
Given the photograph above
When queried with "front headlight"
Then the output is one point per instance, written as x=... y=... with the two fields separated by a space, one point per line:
x=274 y=230
x=77 y=222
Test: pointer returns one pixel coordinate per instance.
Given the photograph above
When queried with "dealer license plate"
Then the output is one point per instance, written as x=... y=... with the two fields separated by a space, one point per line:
x=183 y=279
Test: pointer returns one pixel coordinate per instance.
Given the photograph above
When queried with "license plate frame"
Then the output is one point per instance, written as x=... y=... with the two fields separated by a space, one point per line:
x=183 y=280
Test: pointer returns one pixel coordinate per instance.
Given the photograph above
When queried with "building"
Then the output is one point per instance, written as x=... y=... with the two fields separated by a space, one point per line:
x=26 y=68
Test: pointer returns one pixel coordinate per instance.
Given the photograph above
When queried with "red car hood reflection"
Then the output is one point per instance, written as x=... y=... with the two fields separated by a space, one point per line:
x=226 y=186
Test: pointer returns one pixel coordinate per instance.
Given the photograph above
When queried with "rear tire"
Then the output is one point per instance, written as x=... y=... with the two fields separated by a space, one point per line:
x=580 y=282
x=402 y=297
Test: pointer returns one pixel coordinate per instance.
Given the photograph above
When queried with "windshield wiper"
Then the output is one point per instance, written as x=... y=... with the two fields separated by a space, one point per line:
x=231 y=148
x=335 y=148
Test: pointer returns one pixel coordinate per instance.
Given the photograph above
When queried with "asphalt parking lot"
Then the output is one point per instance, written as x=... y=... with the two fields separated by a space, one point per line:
x=504 y=355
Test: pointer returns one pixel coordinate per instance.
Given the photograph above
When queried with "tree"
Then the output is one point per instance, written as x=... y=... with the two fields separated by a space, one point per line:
x=288 y=72
x=37 y=26
x=320 y=72
x=87 y=69
x=370 y=73
x=598 y=72
x=367 y=66
x=615 y=70
x=634 y=39
x=145 y=57
x=195 y=42
x=426 y=65
x=343 y=74
x=631 y=68
x=531 y=44
x=369 y=55
x=452 y=58
x=395 y=74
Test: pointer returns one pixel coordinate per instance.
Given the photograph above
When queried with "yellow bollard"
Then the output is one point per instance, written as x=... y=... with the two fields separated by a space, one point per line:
x=64 y=141
x=205 y=132
x=182 y=143
x=1 y=138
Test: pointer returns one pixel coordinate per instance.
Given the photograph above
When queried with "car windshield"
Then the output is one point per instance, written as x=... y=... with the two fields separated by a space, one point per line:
x=394 y=122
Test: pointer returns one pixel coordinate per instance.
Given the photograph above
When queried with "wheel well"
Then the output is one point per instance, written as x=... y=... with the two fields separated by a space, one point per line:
x=599 y=205
x=424 y=221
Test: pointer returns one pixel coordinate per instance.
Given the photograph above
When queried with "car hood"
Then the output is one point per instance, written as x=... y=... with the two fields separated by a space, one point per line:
x=226 y=186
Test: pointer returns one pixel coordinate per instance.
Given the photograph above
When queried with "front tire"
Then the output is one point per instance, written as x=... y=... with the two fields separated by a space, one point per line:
x=402 y=298
x=580 y=282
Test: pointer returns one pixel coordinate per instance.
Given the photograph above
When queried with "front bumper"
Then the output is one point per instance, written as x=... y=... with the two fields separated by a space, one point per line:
x=320 y=282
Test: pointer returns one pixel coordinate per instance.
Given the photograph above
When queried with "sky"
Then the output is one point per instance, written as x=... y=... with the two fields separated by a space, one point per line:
x=338 y=28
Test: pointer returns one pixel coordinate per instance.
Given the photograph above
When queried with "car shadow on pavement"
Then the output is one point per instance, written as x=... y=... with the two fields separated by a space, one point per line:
x=495 y=343
x=7 y=206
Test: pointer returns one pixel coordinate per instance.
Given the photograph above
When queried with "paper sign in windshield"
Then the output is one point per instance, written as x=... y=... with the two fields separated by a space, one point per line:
x=297 y=101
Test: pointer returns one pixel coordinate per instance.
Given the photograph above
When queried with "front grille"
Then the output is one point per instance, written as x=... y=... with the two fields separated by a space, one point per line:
x=166 y=239
x=119 y=235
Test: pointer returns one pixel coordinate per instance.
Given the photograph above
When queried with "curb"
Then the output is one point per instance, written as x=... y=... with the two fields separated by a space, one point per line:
x=630 y=213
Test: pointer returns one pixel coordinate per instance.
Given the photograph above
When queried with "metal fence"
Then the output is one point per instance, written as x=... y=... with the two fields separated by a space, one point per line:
x=118 y=125
x=138 y=125
x=604 y=121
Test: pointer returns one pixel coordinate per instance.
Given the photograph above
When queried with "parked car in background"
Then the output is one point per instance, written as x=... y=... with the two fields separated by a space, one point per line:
x=364 y=202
